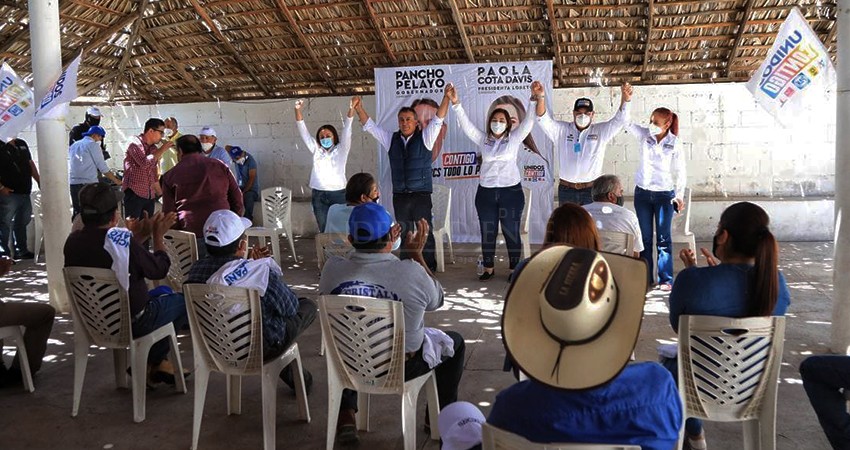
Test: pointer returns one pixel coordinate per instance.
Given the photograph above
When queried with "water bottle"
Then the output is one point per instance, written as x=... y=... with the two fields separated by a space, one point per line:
x=480 y=266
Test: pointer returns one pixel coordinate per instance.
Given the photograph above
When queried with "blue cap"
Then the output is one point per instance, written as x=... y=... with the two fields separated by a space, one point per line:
x=235 y=152
x=95 y=130
x=369 y=222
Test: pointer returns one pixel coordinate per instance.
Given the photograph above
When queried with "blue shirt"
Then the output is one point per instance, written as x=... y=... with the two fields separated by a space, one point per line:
x=221 y=154
x=337 y=221
x=639 y=407
x=721 y=290
x=242 y=174
x=85 y=159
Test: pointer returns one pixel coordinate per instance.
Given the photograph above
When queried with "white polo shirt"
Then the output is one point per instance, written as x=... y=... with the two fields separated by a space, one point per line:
x=660 y=161
x=328 y=172
x=611 y=217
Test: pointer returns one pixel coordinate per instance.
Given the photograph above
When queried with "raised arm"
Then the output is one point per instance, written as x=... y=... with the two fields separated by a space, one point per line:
x=345 y=138
x=538 y=94
x=308 y=140
x=361 y=113
x=432 y=131
x=610 y=128
x=526 y=125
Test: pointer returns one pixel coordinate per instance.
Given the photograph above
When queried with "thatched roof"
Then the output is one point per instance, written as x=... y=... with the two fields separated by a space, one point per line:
x=200 y=50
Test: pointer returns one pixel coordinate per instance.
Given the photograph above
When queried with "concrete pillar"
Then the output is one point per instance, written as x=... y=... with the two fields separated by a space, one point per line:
x=52 y=146
x=840 y=339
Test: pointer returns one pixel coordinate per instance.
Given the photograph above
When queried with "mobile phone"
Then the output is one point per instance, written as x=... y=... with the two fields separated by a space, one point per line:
x=675 y=207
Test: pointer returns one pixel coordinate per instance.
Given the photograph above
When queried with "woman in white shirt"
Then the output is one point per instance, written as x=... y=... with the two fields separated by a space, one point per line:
x=660 y=182
x=330 y=154
x=499 y=199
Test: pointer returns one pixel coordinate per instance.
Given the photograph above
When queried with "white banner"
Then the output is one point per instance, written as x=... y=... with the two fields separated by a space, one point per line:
x=16 y=103
x=796 y=74
x=456 y=160
x=63 y=90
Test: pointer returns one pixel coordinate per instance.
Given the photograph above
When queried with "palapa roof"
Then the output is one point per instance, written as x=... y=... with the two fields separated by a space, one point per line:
x=202 y=50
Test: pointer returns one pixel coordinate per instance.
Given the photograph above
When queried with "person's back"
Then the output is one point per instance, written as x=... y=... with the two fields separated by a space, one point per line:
x=639 y=407
x=337 y=221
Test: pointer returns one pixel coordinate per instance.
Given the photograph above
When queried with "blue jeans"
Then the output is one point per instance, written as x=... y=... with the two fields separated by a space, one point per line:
x=15 y=215
x=823 y=378
x=577 y=196
x=502 y=205
x=248 y=199
x=322 y=201
x=655 y=208
x=693 y=427
x=158 y=312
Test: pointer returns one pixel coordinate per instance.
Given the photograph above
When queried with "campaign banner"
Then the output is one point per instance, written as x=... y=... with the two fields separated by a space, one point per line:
x=796 y=70
x=62 y=91
x=456 y=160
x=16 y=103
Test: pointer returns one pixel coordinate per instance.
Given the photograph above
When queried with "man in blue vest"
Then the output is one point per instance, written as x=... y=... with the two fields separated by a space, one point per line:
x=409 y=151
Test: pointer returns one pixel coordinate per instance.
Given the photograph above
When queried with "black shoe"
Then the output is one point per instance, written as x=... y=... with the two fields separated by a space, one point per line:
x=24 y=255
x=346 y=428
x=486 y=276
x=286 y=376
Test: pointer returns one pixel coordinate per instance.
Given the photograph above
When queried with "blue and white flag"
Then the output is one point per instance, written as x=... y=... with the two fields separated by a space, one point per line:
x=62 y=92
x=16 y=103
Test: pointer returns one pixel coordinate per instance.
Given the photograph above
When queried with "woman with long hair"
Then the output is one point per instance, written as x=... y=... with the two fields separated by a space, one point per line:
x=660 y=183
x=743 y=281
x=330 y=155
x=572 y=225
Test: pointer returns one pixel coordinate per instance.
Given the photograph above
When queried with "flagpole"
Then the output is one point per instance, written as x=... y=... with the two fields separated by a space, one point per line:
x=52 y=146
x=840 y=339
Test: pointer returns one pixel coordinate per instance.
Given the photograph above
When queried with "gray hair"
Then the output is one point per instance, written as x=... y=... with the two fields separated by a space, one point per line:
x=604 y=185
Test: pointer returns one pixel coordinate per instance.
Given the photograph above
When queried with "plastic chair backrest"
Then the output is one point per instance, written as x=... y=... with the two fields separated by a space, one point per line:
x=277 y=205
x=35 y=199
x=526 y=210
x=728 y=368
x=617 y=242
x=228 y=326
x=682 y=222
x=441 y=200
x=100 y=304
x=365 y=342
x=498 y=439
x=332 y=244
x=182 y=249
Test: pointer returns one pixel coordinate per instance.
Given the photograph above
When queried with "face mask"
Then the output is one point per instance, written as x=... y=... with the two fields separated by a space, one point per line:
x=582 y=120
x=655 y=130
x=240 y=161
x=326 y=143
x=620 y=200
x=498 y=127
x=168 y=132
x=94 y=121
x=207 y=146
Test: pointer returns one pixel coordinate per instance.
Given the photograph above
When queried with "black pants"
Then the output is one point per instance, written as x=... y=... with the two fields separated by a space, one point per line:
x=135 y=205
x=409 y=208
x=448 y=374
x=495 y=206
x=75 y=199
x=295 y=325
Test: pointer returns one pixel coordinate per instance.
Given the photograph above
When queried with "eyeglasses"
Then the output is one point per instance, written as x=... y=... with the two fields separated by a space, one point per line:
x=162 y=131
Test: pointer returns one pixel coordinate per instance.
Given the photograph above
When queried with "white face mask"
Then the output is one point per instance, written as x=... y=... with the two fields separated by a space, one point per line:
x=240 y=161
x=655 y=130
x=582 y=120
x=498 y=127
x=168 y=132
x=207 y=146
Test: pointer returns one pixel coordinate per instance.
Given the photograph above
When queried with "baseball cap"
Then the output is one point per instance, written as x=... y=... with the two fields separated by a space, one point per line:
x=207 y=131
x=223 y=227
x=583 y=103
x=99 y=198
x=95 y=130
x=93 y=111
x=460 y=426
x=234 y=151
x=369 y=222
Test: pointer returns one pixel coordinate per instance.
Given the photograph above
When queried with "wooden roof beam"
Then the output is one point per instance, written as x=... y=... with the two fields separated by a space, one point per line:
x=461 y=31
x=103 y=36
x=739 y=35
x=373 y=19
x=227 y=45
x=650 y=17
x=137 y=27
x=177 y=65
x=284 y=9
x=556 y=42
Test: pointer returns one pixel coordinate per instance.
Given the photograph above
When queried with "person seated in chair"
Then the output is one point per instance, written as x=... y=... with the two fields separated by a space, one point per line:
x=373 y=271
x=570 y=323
x=608 y=212
x=285 y=316
x=98 y=245
x=826 y=379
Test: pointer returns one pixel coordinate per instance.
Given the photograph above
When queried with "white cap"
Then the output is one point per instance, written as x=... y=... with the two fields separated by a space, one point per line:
x=207 y=131
x=223 y=227
x=93 y=111
x=460 y=426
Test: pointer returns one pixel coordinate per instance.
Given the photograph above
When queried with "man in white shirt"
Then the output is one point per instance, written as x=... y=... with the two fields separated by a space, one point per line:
x=608 y=212
x=580 y=144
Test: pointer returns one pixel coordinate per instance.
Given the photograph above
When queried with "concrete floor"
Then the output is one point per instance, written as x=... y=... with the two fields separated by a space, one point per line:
x=42 y=420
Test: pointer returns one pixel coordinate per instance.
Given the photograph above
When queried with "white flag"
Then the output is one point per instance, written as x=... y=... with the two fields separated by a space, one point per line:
x=796 y=73
x=16 y=103
x=63 y=90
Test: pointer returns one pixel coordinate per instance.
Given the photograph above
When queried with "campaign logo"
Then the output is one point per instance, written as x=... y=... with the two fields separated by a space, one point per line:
x=507 y=77
x=459 y=165
x=785 y=66
x=534 y=173
x=419 y=81
x=237 y=274
x=365 y=289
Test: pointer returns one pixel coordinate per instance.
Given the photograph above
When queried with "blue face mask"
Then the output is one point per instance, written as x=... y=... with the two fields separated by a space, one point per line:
x=326 y=143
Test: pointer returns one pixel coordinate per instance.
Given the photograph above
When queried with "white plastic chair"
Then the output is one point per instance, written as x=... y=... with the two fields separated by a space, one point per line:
x=365 y=353
x=227 y=335
x=681 y=231
x=617 y=242
x=37 y=224
x=524 y=223
x=276 y=204
x=332 y=244
x=441 y=200
x=100 y=308
x=728 y=371
x=498 y=439
x=182 y=249
x=17 y=333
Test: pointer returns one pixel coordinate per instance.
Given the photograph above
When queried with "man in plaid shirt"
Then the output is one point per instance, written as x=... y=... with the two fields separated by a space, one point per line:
x=140 y=169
